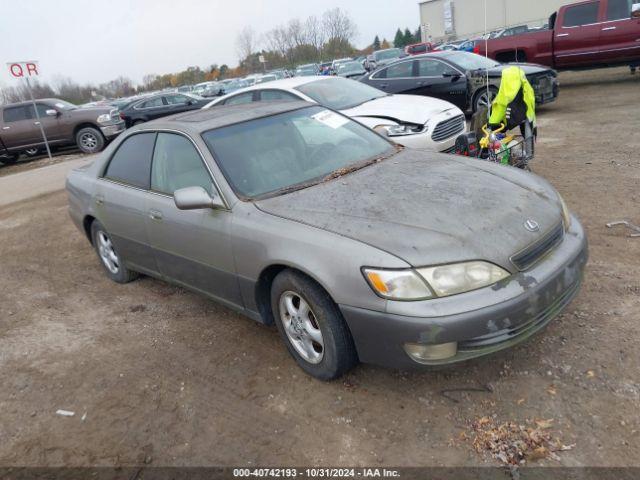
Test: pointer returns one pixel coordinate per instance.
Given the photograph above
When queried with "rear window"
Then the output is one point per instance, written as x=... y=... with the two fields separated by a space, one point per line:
x=131 y=164
x=581 y=15
x=418 y=49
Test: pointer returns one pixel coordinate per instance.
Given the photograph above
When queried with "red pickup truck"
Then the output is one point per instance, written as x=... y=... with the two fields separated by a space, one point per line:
x=588 y=34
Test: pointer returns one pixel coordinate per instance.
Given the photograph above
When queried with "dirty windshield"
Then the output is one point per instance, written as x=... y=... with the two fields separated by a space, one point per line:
x=292 y=150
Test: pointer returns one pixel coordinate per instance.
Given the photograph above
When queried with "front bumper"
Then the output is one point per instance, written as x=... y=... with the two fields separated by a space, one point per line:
x=548 y=92
x=110 y=131
x=483 y=321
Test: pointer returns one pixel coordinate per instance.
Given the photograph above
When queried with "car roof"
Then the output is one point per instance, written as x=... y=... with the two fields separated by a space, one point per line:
x=282 y=84
x=212 y=118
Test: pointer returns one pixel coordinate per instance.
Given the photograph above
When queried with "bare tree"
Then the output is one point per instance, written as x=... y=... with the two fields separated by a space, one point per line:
x=339 y=26
x=316 y=35
x=246 y=42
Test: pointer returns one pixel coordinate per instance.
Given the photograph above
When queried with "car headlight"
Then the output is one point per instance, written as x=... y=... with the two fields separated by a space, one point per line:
x=401 y=129
x=566 y=215
x=397 y=284
x=462 y=277
x=104 y=118
x=430 y=282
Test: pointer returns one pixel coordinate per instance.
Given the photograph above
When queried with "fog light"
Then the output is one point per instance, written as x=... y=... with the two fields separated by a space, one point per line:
x=429 y=353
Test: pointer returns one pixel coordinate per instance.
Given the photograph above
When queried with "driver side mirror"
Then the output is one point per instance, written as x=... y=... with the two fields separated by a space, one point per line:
x=635 y=10
x=51 y=112
x=195 y=198
x=453 y=75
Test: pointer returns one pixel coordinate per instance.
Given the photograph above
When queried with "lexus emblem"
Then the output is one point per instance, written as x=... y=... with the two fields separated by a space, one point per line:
x=531 y=225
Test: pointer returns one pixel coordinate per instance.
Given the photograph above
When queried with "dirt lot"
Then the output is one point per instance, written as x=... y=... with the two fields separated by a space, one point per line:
x=159 y=375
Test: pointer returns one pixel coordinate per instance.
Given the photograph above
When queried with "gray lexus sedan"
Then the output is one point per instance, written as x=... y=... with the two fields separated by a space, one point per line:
x=356 y=248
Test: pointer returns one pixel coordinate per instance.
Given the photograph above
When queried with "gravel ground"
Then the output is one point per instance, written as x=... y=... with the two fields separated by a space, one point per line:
x=158 y=375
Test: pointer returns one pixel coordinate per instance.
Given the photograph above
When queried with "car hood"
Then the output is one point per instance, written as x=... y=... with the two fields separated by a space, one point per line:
x=404 y=108
x=429 y=208
x=90 y=111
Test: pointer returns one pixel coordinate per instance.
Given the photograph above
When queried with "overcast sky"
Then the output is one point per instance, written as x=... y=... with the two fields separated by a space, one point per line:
x=93 y=41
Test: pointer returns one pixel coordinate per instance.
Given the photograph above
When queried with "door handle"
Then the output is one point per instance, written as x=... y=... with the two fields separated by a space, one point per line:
x=99 y=199
x=608 y=28
x=562 y=35
x=36 y=123
x=6 y=128
x=384 y=85
x=155 y=215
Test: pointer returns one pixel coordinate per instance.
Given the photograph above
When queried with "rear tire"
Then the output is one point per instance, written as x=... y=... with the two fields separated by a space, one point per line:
x=312 y=326
x=108 y=256
x=90 y=140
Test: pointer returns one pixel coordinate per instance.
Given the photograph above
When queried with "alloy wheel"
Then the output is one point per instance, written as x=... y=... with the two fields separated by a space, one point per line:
x=482 y=98
x=301 y=327
x=107 y=253
x=89 y=140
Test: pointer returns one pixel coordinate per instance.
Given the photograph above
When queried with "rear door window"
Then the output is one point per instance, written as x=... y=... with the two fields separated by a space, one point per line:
x=400 y=70
x=16 y=114
x=153 y=103
x=584 y=14
x=131 y=164
x=177 y=99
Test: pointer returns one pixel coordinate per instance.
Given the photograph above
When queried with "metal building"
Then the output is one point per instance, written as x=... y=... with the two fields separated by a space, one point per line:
x=458 y=19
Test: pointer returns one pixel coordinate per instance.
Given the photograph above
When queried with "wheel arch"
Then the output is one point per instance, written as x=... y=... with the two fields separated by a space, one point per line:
x=478 y=92
x=262 y=289
x=80 y=126
x=87 y=221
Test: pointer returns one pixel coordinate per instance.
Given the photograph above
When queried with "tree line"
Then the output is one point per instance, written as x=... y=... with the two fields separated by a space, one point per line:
x=312 y=40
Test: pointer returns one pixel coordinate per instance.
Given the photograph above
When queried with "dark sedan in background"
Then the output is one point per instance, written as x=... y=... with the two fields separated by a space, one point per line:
x=457 y=77
x=160 y=105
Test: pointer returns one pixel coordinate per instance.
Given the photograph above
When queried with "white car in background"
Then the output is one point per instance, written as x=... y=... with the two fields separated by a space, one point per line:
x=410 y=120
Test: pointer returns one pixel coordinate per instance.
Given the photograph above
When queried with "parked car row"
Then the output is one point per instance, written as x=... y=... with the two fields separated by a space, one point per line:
x=417 y=100
x=418 y=122
x=64 y=123
x=457 y=77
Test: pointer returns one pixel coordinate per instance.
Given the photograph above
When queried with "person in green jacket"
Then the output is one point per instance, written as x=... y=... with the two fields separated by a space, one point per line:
x=515 y=105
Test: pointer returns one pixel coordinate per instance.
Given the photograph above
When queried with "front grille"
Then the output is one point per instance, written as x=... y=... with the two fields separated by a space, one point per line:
x=448 y=128
x=534 y=252
x=540 y=320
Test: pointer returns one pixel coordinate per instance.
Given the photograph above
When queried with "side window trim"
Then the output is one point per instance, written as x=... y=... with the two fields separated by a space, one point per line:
x=212 y=177
x=103 y=173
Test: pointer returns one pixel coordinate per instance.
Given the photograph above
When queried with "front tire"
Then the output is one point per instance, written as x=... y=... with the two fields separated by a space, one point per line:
x=109 y=258
x=312 y=326
x=90 y=140
x=32 y=152
x=480 y=98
